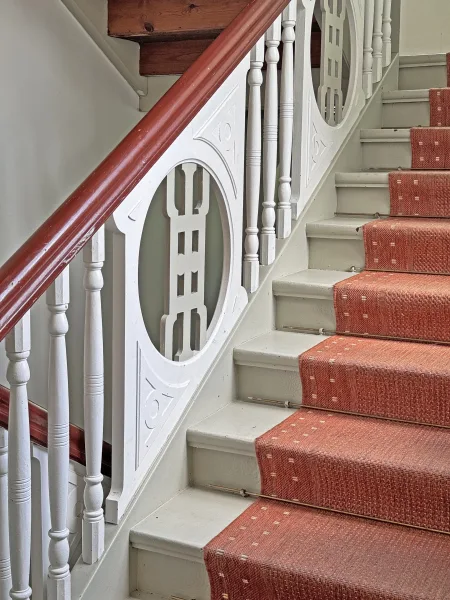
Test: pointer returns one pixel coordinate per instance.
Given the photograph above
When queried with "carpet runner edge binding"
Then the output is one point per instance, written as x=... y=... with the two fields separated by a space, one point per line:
x=339 y=457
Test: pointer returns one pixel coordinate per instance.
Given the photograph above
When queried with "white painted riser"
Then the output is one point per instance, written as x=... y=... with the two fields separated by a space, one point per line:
x=254 y=382
x=406 y=114
x=418 y=77
x=386 y=155
x=336 y=254
x=363 y=200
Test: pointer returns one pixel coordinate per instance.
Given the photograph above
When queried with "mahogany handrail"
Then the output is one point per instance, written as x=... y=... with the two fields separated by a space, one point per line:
x=37 y=263
x=39 y=432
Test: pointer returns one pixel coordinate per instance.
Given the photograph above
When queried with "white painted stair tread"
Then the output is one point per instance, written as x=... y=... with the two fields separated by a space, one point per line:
x=386 y=135
x=235 y=428
x=362 y=179
x=412 y=60
x=338 y=227
x=394 y=96
x=312 y=283
x=275 y=349
x=186 y=524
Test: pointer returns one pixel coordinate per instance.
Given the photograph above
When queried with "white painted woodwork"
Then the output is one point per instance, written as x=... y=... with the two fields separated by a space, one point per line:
x=387 y=32
x=330 y=90
x=58 y=587
x=93 y=541
x=377 y=43
x=18 y=345
x=185 y=292
x=270 y=153
x=284 y=211
x=253 y=169
x=369 y=13
x=5 y=565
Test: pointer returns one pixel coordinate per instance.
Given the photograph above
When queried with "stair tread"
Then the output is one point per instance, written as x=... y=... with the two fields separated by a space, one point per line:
x=276 y=348
x=312 y=283
x=406 y=95
x=386 y=135
x=339 y=227
x=186 y=524
x=362 y=178
x=236 y=426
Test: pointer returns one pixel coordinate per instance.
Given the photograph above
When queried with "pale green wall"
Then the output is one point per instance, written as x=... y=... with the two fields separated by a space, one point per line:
x=425 y=27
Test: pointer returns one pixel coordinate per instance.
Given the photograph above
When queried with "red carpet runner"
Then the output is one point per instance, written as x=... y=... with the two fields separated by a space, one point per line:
x=373 y=437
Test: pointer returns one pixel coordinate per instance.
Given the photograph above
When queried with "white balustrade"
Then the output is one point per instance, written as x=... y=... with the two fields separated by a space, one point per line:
x=387 y=31
x=368 y=49
x=330 y=89
x=19 y=463
x=270 y=154
x=5 y=566
x=284 y=212
x=93 y=517
x=253 y=168
x=377 y=43
x=58 y=439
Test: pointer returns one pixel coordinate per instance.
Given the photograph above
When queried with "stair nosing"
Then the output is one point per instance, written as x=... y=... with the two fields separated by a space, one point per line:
x=388 y=135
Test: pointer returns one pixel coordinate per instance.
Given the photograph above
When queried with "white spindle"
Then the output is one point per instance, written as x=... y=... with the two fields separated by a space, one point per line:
x=19 y=463
x=377 y=43
x=284 y=212
x=253 y=168
x=368 y=50
x=93 y=517
x=273 y=38
x=58 y=439
x=387 y=31
x=5 y=566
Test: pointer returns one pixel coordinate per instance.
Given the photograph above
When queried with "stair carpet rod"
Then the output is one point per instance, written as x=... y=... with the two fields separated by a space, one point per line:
x=246 y=494
x=378 y=215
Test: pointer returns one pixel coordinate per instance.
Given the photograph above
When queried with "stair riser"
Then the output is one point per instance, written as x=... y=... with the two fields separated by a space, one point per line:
x=363 y=200
x=336 y=254
x=172 y=576
x=224 y=469
x=386 y=155
x=406 y=114
x=268 y=384
x=422 y=77
x=305 y=313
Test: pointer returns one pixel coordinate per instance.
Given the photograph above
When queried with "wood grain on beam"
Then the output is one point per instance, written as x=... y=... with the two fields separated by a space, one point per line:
x=170 y=58
x=171 y=19
x=38 y=431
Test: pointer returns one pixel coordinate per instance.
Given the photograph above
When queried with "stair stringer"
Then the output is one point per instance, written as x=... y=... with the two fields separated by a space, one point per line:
x=170 y=472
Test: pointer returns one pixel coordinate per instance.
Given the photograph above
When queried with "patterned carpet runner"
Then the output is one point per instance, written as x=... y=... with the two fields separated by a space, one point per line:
x=373 y=437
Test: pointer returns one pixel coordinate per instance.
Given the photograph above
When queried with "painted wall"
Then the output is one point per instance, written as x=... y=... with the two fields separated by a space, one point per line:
x=63 y=107
x=425 y=27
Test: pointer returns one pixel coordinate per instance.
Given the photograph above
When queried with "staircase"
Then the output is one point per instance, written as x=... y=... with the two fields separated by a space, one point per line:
x=376 y=458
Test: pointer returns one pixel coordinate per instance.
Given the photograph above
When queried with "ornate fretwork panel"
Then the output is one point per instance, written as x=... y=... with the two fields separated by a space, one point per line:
x=330 y=91
x=184 y=324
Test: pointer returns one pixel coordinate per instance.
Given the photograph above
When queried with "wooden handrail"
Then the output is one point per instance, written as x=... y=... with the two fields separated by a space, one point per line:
x=39 y=427
x=37 y=263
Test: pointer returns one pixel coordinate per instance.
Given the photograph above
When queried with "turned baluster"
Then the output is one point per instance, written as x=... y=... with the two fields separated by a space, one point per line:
x=368 y=50
x=58 y=587
x=284 y=212
x=253 y=168
x=5 y=566
x=19 y=460
x=93 y=517
x=387 y=32
x=273 y=38
x=377 y=43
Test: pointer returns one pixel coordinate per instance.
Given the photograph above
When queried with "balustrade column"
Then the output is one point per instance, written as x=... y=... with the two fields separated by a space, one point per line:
x=284 y=212
x=377 y=43
x=58 y=587
x=368 y=50
x=273 y=38
x=5 y=566
x=253 y=168
x=93 y=517
x=18 y=345
x=387 y=32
